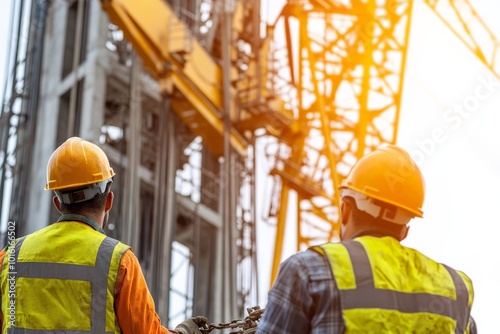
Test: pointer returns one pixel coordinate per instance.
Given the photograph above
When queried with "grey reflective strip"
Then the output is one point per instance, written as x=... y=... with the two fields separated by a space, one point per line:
x=367 y=296
x=54 y=270
x=462 y=299
x=94 y=274
x=100 y=284
x=18 y=246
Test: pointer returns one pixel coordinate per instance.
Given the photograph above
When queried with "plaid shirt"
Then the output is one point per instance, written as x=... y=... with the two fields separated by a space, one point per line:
x=304 y=298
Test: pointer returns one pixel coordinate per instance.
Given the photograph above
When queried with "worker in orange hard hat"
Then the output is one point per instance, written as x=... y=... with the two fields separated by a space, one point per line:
x=69 y=276
x=369 y=282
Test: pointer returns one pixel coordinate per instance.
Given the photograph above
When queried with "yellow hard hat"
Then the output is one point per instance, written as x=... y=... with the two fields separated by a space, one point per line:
x=390 y=175
x=75 y=164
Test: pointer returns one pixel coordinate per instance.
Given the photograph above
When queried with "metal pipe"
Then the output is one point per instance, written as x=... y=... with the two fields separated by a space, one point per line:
x=164 y=207
x=4 y=134
x=76 y=63
x=256 y=45
x=253 y=192
x=35 y=64
x=229 y=262
x=132 y=185
x=253 y=189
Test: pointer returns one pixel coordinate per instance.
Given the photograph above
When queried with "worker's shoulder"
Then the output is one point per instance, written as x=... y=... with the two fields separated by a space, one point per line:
x=128 y=257
x=422 y=259
x=307 y=256
x=308 y=262
x=123 y=251
x=118 y=242
x=463 y=275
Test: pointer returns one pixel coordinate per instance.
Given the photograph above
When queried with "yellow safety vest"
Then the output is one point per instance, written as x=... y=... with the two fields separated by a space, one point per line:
x=388 y=288
x=61 y=279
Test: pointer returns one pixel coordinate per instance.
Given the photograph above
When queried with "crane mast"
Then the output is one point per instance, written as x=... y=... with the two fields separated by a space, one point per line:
x=345 y=67
x=466 y=24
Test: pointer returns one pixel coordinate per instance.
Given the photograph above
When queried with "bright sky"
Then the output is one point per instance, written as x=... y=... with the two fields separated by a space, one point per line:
x=4 y=32
x=462 y=170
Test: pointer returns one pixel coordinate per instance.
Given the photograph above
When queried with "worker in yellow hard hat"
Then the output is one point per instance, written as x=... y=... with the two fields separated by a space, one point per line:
x=69 y=277
x=369 y=282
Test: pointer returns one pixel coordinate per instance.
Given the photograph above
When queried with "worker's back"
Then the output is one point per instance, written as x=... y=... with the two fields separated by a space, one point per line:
x=369 y=282
x=64 y=277
x=388 y=288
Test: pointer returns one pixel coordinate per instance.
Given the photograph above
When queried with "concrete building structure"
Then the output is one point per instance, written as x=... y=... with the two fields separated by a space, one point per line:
x=168 y=187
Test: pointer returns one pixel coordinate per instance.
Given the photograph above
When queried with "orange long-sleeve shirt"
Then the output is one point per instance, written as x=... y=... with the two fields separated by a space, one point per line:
x=134 y=305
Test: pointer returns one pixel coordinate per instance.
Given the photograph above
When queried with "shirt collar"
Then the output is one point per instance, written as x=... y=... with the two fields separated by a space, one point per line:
x=83 y=219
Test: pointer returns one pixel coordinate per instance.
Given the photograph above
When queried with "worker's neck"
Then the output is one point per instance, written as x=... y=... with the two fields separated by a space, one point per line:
x=373 y=232
x=97 y=217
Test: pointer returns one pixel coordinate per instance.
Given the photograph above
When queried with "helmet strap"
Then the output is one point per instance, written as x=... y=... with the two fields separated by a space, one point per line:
x=377 y=208
x=82 y=194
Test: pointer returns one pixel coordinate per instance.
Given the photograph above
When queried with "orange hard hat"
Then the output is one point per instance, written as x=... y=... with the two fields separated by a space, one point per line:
x=77 y=163
x=390 y=175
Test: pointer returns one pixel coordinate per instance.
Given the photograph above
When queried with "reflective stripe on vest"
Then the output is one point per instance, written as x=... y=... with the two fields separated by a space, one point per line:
x=364 y=296
x=74 y=272
x=96 y=278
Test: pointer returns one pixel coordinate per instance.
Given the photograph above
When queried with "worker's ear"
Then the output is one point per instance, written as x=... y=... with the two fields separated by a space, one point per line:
x=404 y=233
x=57 y=204
x=109 y=201
x=345 y=211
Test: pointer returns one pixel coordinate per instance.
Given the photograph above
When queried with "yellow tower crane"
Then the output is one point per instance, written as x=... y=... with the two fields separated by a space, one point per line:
x=345 y=63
